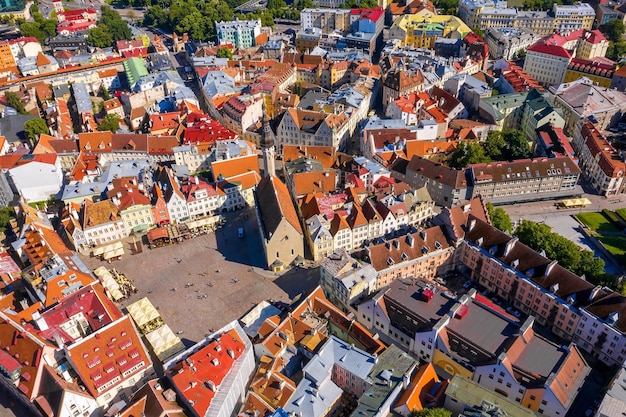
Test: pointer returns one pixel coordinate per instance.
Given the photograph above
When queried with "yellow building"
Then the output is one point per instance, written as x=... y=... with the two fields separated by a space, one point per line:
x=6 y=56
x=422 y=30
x=599 y=72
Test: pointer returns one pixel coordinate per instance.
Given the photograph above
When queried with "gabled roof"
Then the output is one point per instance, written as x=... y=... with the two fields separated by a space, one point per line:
x=311 y=182
x=436 y=171
x=96 y=214
x=275 y=204
x=104 y=356
x=235 y=166
x=20 y=353
x=90 y=302
x=409 y=247
x=200 y=376
x=152 y=400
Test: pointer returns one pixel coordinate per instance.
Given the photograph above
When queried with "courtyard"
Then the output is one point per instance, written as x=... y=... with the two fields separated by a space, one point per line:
x=206 y=282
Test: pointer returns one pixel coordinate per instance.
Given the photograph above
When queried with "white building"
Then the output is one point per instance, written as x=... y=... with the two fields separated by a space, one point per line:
x=211 y=378
x=506 y=42
x=239 y=33
x=102 y=223
x=37 y=180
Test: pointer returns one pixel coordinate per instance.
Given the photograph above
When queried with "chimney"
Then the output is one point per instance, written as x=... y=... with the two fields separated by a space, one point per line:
x=40 y=322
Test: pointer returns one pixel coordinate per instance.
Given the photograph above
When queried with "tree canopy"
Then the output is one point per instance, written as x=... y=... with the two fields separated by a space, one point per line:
x=499 y=218
x=468 y=153
x=614 y=30
x=111 y=122
x=431 y=412
x=39 y=28
x=13 y=100
x=111 y=28
x=225 y=52
x=35 y=127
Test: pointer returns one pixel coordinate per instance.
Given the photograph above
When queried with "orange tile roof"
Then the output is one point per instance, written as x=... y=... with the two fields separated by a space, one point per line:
x=42 y=243
x=59 y=287
x=247 y=180
x=199 y=377
x=42 y=60
x=417 y=396
x=107 y=356
x=20 y=352
x=324 y=154
x=235 y=166
x=423 y=148
x=99 y=213
x=164 y=122
x=95 y=141
x=318 y=304
x=310 y=182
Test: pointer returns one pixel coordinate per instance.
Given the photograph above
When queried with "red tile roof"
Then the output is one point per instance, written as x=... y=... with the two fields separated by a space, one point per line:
x=20 y=352
x=90 y=302
x=198 y=378
x=108 y=356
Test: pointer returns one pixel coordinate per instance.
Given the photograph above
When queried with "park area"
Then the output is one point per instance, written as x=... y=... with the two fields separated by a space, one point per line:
x=608 y=227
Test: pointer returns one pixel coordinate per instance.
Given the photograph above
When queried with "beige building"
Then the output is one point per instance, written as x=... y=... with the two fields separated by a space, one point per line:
x=102 y=222
x=525 y=179
x=280 y=228
x=581 y=99
x=601 y=162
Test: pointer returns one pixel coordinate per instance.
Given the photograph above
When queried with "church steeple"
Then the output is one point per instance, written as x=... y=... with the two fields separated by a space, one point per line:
x=267 y=145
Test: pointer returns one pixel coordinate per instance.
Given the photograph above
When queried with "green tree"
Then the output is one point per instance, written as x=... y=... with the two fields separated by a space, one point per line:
x=33 y=29
x=479 y=32
x=35 y=127
x=111 y=122
x=13 y=100
x=105 y=93
x=431 y=412
x=613 y=30
x=499 y=218
x=6 y=214
x=517 y=144
x=116 y=26
x=494 y=145
x=582 y=262
x=305 y=4
x=225 y=52
x=468 y=153
x=99 y=37
x=521 y=54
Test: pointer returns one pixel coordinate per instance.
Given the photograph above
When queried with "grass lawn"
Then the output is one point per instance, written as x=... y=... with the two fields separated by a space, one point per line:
x=616 y=244
x=597 y=222
x=621 y=212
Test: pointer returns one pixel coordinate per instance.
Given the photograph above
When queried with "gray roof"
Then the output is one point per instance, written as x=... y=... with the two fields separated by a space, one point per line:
x=312 y=400
x=132 y=168
x=391 y=366
x=217 y=82
x=12 y=127
x=339 y=353
x=466 y=391
x=81 y=96
x=483 y=328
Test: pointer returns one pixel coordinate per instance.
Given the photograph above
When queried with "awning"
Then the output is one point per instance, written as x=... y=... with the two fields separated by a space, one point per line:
x=158 y=233
x=164 y=342
x=113 y=253
x=576 y=202
x=102 y=250
x=143 y=312
x=206 y=221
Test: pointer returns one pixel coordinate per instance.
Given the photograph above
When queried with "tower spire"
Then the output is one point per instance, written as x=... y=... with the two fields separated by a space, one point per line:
x=267 y=144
